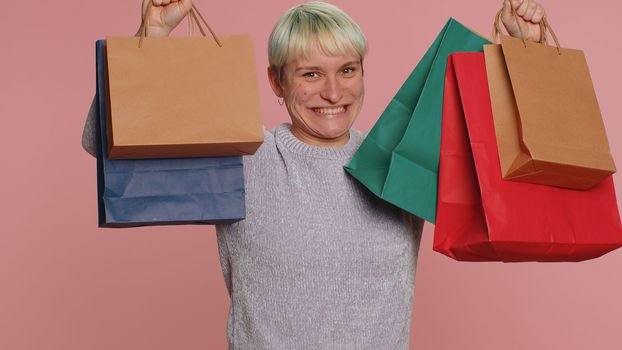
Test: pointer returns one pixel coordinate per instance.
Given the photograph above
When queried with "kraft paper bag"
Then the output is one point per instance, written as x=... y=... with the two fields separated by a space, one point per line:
x=482 y=217
x=547 y=120
x=182 y=97
x=398 y=160
x=163 y=191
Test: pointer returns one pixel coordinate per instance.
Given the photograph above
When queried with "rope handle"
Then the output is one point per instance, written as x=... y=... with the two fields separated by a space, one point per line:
x=193 y=15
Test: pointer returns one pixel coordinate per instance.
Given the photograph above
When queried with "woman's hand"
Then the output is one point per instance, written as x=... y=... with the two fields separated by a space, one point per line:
x=165 y=15
x=529 y=13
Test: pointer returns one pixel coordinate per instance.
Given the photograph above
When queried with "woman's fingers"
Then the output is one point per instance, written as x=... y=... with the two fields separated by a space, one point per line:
x=163 y=2
x=529 y=14
x=165 y=15
x=507 y=9
x=186 y=3
x=531 y=11
x=537 y=17
x=174 y=12
x=522 y=9
x=506 y=13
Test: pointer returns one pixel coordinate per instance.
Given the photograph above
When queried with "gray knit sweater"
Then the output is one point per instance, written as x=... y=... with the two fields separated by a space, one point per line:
x=319 y=262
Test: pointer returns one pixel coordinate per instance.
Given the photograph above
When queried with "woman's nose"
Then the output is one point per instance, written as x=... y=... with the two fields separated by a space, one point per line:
x=332 y=90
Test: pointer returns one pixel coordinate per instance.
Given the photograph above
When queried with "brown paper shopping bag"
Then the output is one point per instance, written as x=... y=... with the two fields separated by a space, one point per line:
x=182 y=97
x=547 y=121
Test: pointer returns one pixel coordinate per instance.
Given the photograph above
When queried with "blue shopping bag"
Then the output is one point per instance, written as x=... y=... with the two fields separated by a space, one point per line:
x=162 y=191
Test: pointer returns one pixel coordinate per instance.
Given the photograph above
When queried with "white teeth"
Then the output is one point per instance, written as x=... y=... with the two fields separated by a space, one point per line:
x=330 y=110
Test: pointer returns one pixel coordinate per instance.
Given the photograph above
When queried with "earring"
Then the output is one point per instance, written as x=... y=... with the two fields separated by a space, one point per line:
x=280 y=101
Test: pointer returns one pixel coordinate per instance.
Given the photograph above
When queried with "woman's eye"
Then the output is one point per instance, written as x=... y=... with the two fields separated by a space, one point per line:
x=311 y=75
x=348 y=70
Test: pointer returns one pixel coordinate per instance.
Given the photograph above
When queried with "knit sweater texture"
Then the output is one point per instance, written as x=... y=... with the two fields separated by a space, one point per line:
x=319 y=262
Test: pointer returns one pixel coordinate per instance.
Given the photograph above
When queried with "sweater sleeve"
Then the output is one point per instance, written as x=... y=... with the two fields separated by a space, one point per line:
x=223 y=253
x=88 y=134
x=413 y=223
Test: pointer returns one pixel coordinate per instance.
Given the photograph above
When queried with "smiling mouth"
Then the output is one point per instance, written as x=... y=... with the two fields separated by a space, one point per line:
x=331 y=110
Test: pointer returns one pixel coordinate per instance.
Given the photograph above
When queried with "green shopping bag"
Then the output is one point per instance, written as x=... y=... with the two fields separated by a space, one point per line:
x=398 y=160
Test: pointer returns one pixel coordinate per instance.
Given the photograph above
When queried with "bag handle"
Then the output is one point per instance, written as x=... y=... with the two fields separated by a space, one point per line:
x=544 y=28
x=191 y=16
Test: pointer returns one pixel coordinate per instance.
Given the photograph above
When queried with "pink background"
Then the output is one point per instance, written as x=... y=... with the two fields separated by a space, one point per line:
x=65 y=284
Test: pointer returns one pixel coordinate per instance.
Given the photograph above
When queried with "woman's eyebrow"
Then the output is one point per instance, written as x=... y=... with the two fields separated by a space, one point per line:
x=308 y=68
x=350 y=63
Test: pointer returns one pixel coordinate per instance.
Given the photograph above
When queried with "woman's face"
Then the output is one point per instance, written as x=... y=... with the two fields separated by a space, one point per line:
x=323 y=95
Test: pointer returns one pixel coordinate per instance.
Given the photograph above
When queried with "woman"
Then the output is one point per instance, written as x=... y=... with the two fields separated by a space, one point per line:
x=319 y=262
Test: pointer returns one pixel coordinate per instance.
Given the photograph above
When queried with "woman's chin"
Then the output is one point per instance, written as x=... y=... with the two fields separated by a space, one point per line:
x=323 y=135
x=331 y=128
x=333 y=133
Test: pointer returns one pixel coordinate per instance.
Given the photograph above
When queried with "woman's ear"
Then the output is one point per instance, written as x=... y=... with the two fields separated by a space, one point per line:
x=275 y=82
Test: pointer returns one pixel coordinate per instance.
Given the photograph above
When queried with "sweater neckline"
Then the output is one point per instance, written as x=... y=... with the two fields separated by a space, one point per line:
x=284 y=134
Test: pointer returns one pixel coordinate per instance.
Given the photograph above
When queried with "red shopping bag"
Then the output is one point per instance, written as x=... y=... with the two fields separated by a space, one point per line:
x=481 y=217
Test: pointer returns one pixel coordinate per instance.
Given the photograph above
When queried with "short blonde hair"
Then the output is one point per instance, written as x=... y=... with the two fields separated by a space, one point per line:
x=309 y=24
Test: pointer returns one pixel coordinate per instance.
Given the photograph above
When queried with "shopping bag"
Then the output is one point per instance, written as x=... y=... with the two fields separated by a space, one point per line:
x=398 y=160
x=547 y=120
x=482 y=217
x=163 y=191
x=203 y=101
